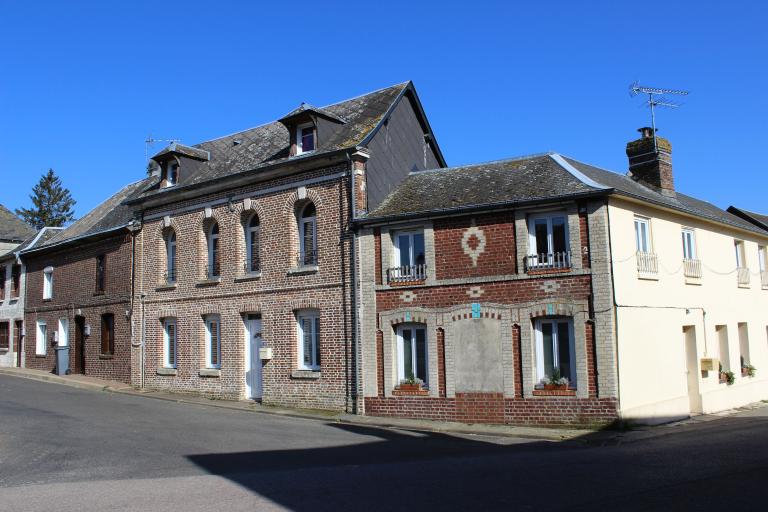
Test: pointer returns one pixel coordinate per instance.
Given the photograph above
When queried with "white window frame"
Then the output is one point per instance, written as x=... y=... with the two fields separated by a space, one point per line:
x=539 y=337
x=299 y=141
x=761 y=257
x=411 y=256
x=41 y=338
x=689 y=244
x=303 y=223
x=63 y=332
x=167 y=363
x=401 y=352
x=48 y=283
x=171 y=253
x=209 y=320
x=249 y=230
x=173 y=169
x=740 y=254
x=212 y=237
x=648 y=239
x=314 y=317
x=548 y=216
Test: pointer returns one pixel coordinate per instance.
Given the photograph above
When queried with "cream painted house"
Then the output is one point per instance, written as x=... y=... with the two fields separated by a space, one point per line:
x=690 y=294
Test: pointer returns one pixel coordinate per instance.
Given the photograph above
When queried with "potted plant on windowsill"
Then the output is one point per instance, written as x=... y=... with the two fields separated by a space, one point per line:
x=726 y=377
x=747 y=370
x=411 y=385
x=555 y=382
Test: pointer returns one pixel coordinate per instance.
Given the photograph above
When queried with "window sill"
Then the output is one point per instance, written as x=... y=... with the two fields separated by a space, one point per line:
x=410 y=391
x=167 y=371
x=693 y=280
x=414 y=282
x=647 y=277
x=106 y=356
x=306 y=374
x=546 y=271
x=746 y=286
x=304 y=269
x=165 y=286
x=4 y=350
x=40 y=356
x=210 y=372
x=208 y=282
x=44 y=300
x=554 y=392
x=96 y=294
x=250 y=276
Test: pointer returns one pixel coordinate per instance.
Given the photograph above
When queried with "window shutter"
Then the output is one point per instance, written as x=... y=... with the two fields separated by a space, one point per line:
x=4 y=335
x=111 y=334
x=317 y=341
x=171 y=333
x=255 y=249
x=306 y=330
x=309 y=239
x=214 y=329
x=104 y=335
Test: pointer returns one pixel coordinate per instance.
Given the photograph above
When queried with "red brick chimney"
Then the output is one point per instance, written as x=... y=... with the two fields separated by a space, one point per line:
x=651 y=164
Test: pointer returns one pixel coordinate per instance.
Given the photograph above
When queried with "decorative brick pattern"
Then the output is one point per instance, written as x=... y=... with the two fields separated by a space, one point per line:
x=495 y=250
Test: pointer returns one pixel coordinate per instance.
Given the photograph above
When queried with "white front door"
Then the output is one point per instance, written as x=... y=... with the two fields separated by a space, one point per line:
x=253 y=383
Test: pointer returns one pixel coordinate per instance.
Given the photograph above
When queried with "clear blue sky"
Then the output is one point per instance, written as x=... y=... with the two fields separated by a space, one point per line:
x=83 y=83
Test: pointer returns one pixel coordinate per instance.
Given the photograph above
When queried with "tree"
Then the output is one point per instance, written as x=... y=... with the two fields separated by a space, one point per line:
x=51 y=203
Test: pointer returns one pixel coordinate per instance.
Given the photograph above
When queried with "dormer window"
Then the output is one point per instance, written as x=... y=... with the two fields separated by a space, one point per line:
x=305 y=138
x=173 y=174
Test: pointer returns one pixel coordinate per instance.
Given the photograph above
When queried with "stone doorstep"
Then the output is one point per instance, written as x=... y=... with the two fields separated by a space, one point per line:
x=446 y=427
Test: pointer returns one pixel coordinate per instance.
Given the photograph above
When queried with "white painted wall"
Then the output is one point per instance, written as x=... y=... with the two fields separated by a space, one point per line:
x=652 y=313
x=11 y=310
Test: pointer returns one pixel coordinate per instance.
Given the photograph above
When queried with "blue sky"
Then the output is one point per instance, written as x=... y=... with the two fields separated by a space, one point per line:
x=82 y=84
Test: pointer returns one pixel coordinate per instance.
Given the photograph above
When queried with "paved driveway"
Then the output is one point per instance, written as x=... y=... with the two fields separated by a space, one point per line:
x=62 y=448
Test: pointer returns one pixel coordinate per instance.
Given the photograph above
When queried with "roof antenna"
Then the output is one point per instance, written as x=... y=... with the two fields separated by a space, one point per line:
x=150 y=141
x=655 y=99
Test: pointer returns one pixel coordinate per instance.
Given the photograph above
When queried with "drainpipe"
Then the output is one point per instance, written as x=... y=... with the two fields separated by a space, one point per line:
x=355 y=298
x=134 y=227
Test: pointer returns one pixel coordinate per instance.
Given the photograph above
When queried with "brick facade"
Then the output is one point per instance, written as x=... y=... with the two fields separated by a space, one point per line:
x=75 y=297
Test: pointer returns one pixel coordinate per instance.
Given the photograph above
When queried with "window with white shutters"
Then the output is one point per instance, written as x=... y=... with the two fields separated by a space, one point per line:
x=309 y=340
x=169 y=335
x=213 y=341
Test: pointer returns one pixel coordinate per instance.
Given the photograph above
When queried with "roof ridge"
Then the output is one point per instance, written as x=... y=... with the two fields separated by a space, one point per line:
x=275 y=121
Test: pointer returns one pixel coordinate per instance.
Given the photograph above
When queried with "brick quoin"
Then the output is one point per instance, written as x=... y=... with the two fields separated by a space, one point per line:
x=517 y=359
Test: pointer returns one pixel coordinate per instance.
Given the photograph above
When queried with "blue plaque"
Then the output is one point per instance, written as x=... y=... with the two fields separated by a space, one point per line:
x=475 y=310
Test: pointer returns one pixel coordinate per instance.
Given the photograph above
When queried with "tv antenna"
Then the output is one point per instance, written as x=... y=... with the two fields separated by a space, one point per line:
x=656 y=98
x=150 y=141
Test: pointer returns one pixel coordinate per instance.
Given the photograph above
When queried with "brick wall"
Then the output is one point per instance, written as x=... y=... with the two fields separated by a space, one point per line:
x=74 y=294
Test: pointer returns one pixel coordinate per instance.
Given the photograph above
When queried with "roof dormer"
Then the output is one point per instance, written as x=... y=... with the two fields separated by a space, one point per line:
x=306 y=127
x=173 y=158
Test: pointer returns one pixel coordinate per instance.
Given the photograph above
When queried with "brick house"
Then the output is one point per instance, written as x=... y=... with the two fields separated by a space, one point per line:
x=14 y=234
x=545 y=290
x=79 y=284
x=244 y=273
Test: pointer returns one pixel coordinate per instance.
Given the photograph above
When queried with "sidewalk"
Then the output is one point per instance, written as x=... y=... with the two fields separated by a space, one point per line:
x=94 y=384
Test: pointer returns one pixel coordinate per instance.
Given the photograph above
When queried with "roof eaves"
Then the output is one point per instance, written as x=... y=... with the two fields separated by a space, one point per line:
x=75 y=239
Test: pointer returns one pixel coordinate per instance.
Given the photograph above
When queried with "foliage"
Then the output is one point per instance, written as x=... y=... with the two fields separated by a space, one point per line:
x=556 y=379
x=51 y=203
x=749 y=370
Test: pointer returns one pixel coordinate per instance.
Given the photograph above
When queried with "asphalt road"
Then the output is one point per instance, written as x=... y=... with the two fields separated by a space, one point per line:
x=68 y=449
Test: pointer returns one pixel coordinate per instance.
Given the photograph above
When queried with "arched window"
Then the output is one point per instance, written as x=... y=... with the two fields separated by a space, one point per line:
x=170 y=257
x=252 y=262
x=214 y=268
x=308 y=235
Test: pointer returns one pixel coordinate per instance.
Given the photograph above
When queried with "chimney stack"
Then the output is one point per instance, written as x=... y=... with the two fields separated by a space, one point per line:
x=651 y=164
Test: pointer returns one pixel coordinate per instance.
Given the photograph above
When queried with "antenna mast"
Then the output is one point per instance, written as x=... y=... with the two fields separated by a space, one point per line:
x=151 y=141
x=656 y=99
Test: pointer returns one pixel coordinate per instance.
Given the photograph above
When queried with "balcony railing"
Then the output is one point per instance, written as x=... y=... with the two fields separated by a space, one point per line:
x=548 y=261
x=306 y=258
x=407 y=273
x=169 y=276
x=692 y=268
x=742 y=274
x=647 y=263
x=764 y=279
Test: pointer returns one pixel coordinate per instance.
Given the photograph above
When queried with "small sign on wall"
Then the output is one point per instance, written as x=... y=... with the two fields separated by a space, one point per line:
x=475 y=310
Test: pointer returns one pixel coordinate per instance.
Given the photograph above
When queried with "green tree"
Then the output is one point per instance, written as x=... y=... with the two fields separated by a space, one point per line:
x=51 y=203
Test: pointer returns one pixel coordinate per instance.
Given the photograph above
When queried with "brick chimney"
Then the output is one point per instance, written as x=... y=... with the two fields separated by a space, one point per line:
x=651 y=166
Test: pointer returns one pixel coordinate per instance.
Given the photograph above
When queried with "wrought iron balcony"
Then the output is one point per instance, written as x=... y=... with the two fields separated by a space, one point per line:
x=692 y=268
x=407 y=273
x=548 y=261
x=647 y=263
x=742 y=274
x=306 y=258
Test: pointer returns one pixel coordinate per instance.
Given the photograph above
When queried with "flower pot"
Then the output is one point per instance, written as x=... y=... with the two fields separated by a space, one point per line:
x=552 y=387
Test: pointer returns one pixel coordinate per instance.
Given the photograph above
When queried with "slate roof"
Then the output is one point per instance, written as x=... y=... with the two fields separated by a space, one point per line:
x=543 y=177
x=36 y=240
x=268 y=144
x=756 y=218
x=12 y=228
x=110 y=215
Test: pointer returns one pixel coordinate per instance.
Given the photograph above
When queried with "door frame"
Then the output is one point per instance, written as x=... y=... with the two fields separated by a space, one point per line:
x=79 y=345
x=692 y=369
x=251 y=393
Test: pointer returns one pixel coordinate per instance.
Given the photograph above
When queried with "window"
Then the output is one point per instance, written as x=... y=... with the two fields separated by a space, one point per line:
x=108 y=334
x=643 y=234
x=170 y=257
x=253 y=263
x=308 y=235
x=48 y=283
x=762 y=262
x=2 y=283
x=722 y=341
x=18 y=327
x=555 y=350
x=305 y=138
x=15 y=280
x=100 y=273
x=412 y=353
x=548 y=241
x=214 y=268
x=742 y=272
x=63 y=332
x=41 y=338
x=5 y=328
x=309 y=340
x=743 y=329
x=173 y=174
x=212 y=341
x=169 y=343
x=409 y=257
x=689 y=244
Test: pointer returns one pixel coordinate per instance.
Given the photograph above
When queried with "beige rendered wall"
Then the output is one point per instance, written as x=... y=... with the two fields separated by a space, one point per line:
x=652 y=313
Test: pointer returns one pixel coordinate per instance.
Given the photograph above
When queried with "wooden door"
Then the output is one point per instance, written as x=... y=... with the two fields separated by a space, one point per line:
x=79 y=345
x=17 y=341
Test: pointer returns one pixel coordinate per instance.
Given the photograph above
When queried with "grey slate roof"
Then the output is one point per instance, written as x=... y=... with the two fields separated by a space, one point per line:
x=306 y=107
x=268 y=144
x=12 y=228
x=110 y=215
x=755 y=218
x=36 y=240
x=527 y=179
